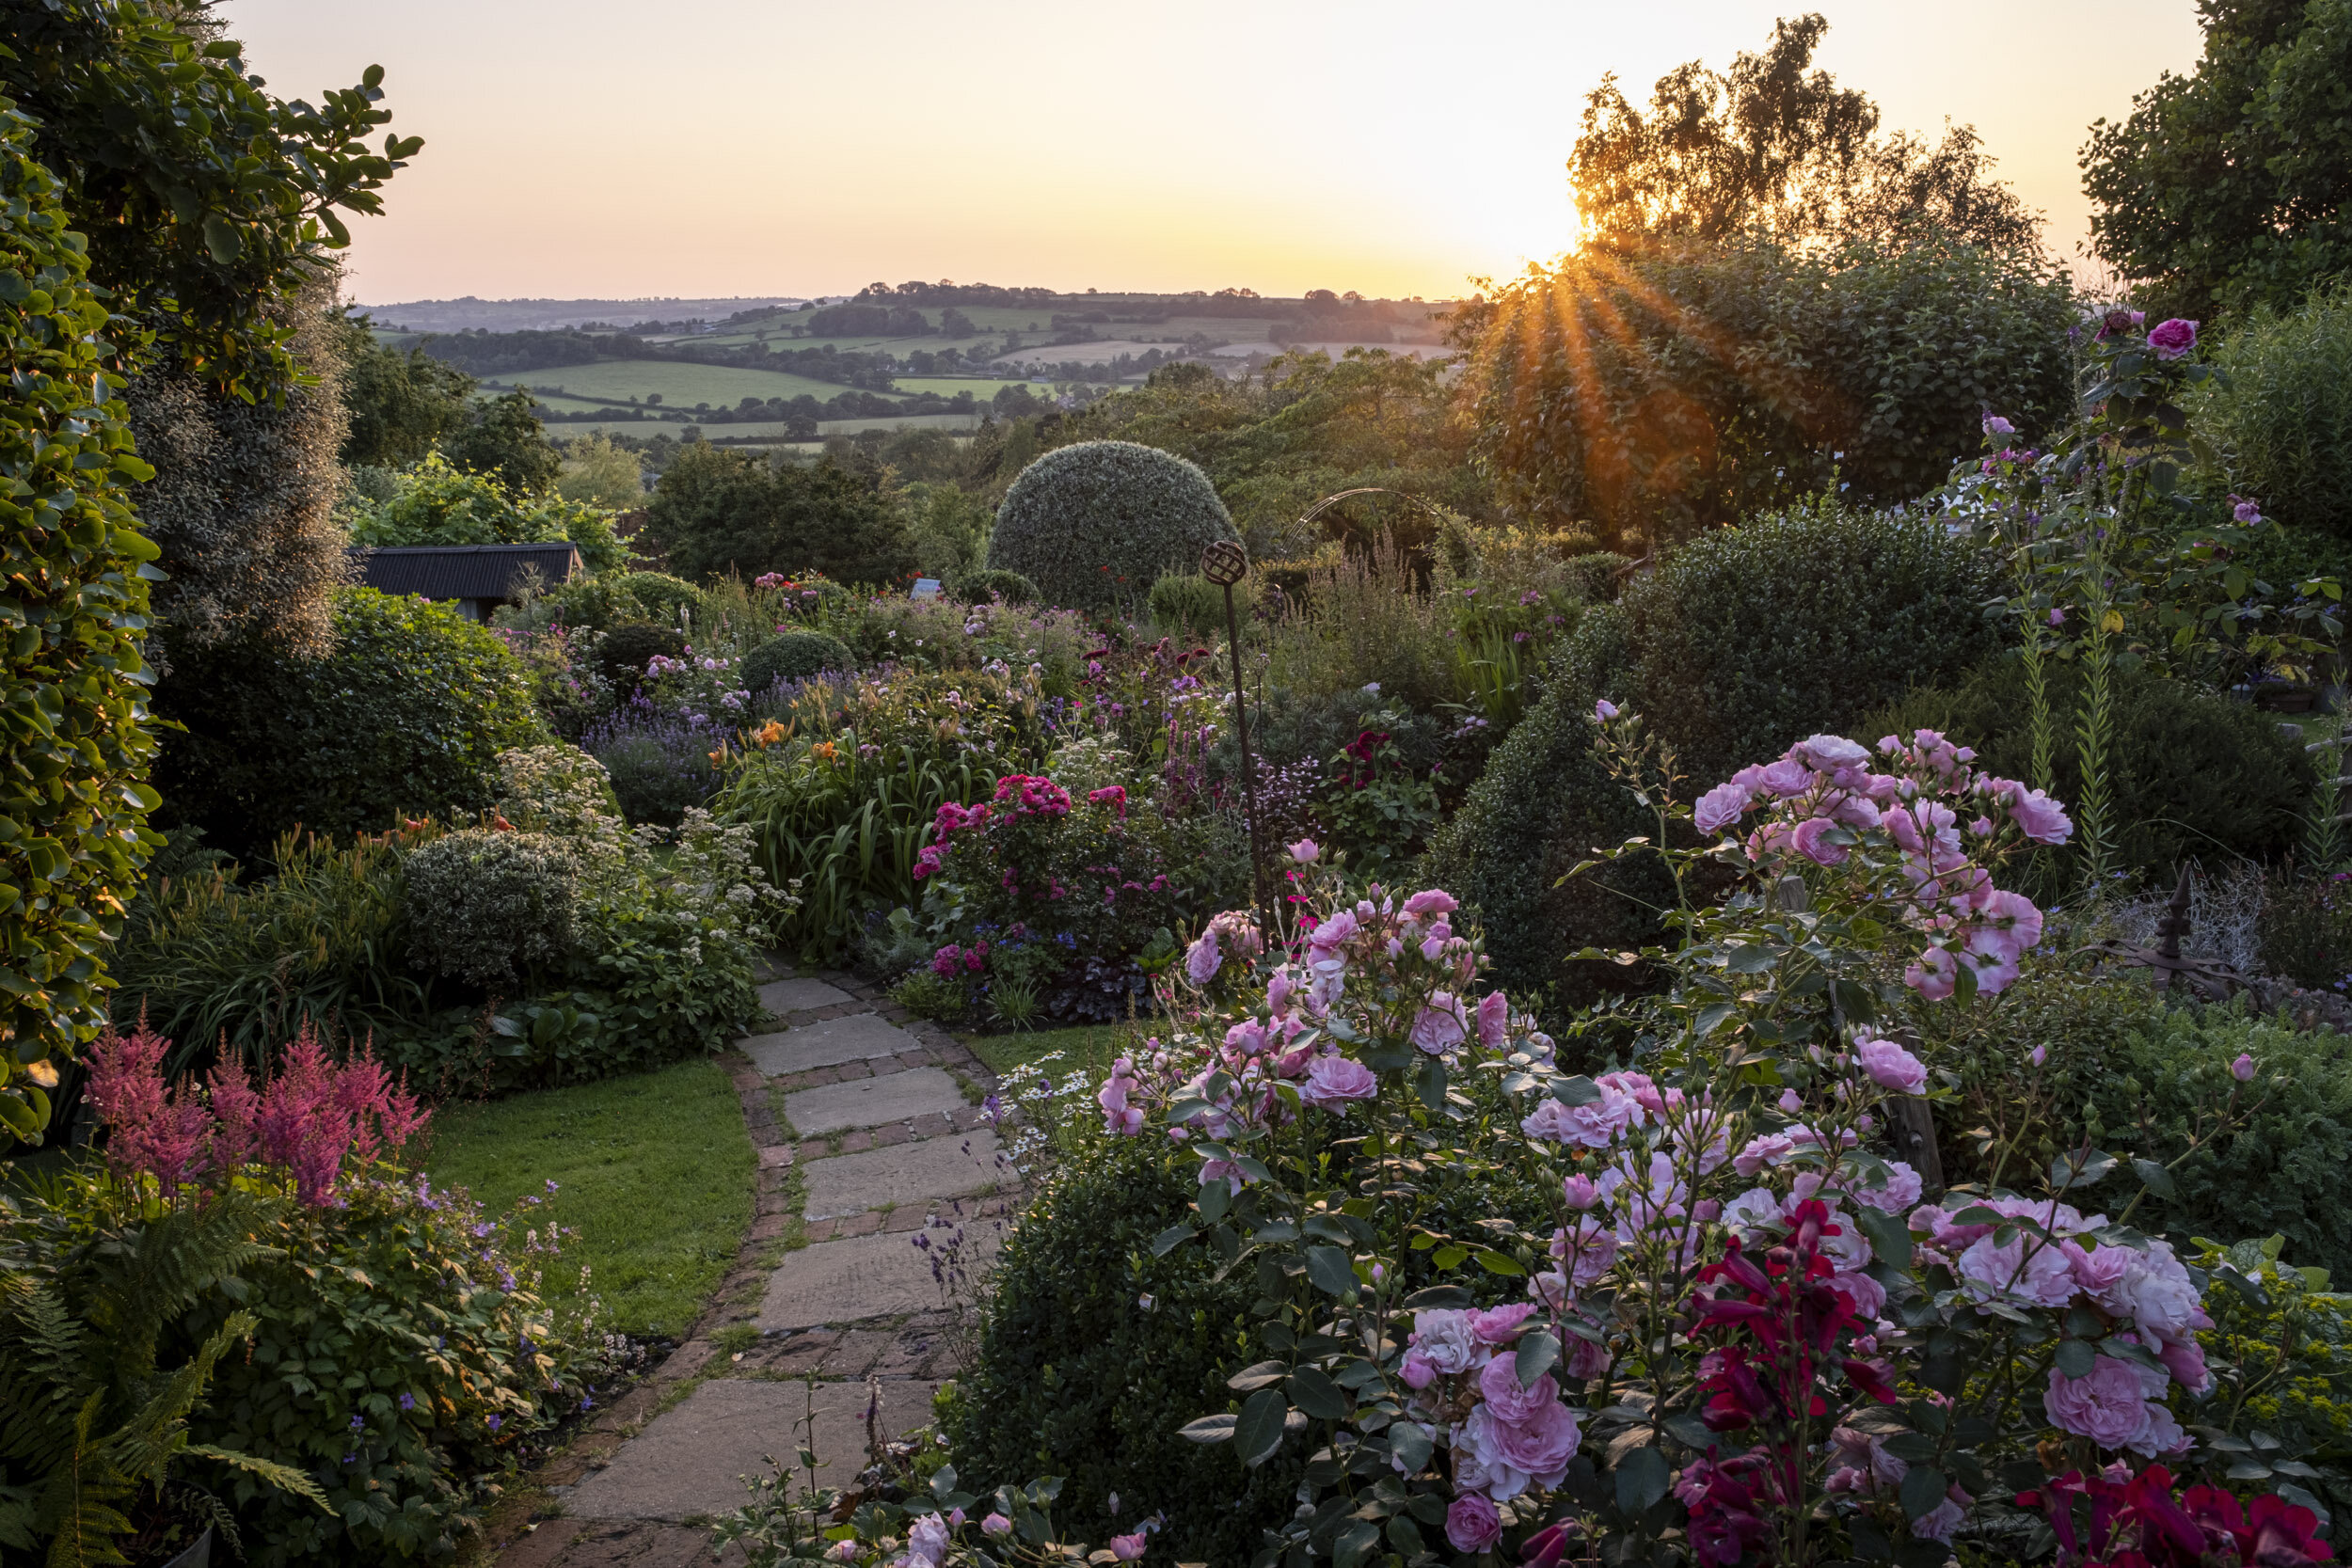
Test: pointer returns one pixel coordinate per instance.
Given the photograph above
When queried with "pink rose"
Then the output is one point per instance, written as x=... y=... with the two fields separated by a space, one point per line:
x=1785 y=777
x=995 y=1524
x=2172 y=338
x=1417 y=1371
x=1202 y=959
x=1334 y=1081
x=2027 y=1269
x=1890 y=1066
x=1719 y=808
x=1604 y=710
x=2109 y=1406
x=1499 y=1325
x=1996 y=425
x=1126 y=1548
x=1440 y=1026
x=1810 y=839
x=2243 y=1068
x=1494 y=1020
x=1431 y=902
x=1498 y=1385
x=1830 y=753
x=1767 y=1150
x=2186 y=1361
x=1472 y=1524
x=1588 y=1249
x=1580 y=1192
x=1442 y=1336
x=1306 y=851
x=1935 y=975
x=1593 y=1126
x=1517 y=1454
x=2040 y=818
x=1900 y=1192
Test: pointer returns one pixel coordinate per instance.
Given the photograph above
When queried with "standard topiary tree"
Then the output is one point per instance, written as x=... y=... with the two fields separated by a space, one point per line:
x=1094 y=524
x=1751 y=637
x=795 y=656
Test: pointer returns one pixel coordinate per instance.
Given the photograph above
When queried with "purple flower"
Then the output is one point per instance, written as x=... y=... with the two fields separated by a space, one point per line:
x=1996 y=425
x=408 y=1402
x=2244 y=511
x=2172 y=338
x=1720 y=807
x=1604 y=710
x=1472 y=1524
x=2243 y=1068
x=1890 y=1066
x=497 y=1421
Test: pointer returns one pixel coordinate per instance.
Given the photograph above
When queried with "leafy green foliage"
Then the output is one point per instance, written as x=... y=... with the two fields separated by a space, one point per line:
x=719 y=511
x=1094 y=524
x=1766 y=146
x=794 y=656
x=405 y=715
x=2283 y=416
x=1650 y=395
x=1544 y=805
x=1077 y=1376
x=2307 y=928
x=436 y=503
x=2280 y=1352
x=1189 y=603
x=2282 y=1172
x=1800 y=622
x=2192 y=775
x=2224 y=188
x=487 y=905
x=505 y=439
x=1011 y=587
x=624 y=651
x=208 y=201
x=73 y=612
x=398 y=405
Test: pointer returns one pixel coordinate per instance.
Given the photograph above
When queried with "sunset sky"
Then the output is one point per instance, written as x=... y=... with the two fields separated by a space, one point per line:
x=765 y=147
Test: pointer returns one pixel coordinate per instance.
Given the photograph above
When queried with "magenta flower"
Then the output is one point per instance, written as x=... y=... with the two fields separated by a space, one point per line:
x=1996 y=426
x=1472 y=1524
x=2244 y=511
x=2243 y=1068
x=1604 y=710
x=2172 y=338
x=1126 y=1548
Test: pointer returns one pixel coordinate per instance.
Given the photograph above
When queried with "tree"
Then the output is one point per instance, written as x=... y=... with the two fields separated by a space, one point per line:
x=505 y=439
x=1770 y=145
x=717 y=511
x=601 y=474
x=2232 y=187
x=399 y=405
x=207 y=202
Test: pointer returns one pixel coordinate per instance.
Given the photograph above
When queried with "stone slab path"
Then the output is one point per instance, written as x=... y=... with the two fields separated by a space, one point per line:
x=870 y=1140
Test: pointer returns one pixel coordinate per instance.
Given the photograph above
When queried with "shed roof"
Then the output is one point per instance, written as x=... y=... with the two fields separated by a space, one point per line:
x=463 y=571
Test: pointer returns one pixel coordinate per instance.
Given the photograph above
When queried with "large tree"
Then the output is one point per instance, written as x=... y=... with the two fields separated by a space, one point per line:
x=1773 y=145
x=2231 y=186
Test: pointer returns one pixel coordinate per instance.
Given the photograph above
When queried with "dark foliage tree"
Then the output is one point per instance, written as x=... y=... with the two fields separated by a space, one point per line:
x=399 y=405
x=505 y=439
x=1773 y=145
x=2232 y=187
x=718 y=510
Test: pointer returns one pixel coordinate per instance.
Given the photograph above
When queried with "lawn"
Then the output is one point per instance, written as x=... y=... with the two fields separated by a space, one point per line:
x=1092 y=1045
x=654 y=1172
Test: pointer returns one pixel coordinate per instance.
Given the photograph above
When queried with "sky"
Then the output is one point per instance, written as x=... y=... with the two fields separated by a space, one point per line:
x=605 y=149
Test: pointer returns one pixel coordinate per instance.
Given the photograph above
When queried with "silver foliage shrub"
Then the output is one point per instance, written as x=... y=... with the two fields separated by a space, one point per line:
x=489 y=905
x=1095 y=524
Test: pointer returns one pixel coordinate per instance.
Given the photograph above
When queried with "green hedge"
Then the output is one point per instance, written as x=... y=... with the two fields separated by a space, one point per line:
x=405 y=716
x=2284 y=414
x=1751 y=637
x=1095 y=524
x=794 y=656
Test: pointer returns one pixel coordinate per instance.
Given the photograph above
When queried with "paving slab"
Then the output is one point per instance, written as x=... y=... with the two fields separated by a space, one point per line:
x=799 y=994
x=903 y=1174
x=686 y=1461
x=857 y=1037
x=873 y=1101
x=867 y=1276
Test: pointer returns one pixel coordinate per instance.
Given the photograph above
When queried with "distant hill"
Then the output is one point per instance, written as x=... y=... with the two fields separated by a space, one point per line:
x=543 y=315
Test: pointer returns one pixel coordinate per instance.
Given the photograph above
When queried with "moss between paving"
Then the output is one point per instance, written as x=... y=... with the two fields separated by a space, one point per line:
x=654 y=1172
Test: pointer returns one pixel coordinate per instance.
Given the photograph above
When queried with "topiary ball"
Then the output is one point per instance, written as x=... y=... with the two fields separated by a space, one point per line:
x=1095 y=524
x=628 y=648
x=1011 y=587
x=659 y=596
x=794 y=657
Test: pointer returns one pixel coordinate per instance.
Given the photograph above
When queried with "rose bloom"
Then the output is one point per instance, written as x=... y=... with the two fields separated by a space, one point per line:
x=1890 y=1066
x=1440 y=1026
x=2028 y=1269
x=1443 y=1336
x=2109 y=1407
x=1334 y=1081
x=1472 y=1524
x=1518 y=1453
x=1593 y=1126
x=1498 y=1385
x=2172 y=338
x=1126 y=1548
x=1494 y=1020
x=1719 y=808
x=1900 y=1192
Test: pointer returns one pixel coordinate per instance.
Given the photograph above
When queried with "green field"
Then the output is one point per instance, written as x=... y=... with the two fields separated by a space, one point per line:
x=905 y=422
x=681 y=386
x=980 y=386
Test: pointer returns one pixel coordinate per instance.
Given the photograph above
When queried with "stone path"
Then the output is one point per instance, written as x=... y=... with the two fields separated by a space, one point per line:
x=868 y=1130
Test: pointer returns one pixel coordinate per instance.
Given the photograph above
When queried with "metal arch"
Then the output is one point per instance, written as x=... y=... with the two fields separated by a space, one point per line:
x=1329 y=501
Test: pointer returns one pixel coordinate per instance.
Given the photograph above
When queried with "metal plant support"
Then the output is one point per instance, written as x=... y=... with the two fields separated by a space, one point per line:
x=1226 y=564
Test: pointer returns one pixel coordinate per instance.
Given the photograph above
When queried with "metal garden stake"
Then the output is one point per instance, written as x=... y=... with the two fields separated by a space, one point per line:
x=1226 y=564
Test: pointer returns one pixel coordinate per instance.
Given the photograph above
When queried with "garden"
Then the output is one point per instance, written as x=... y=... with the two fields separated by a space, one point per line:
x=1627 y=950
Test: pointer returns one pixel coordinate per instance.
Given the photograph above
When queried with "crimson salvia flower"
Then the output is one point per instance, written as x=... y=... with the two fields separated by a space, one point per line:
x=2102 y=1521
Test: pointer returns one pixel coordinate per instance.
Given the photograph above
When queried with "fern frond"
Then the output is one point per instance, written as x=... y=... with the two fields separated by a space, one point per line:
x=284 y=1476
x=143 y=1448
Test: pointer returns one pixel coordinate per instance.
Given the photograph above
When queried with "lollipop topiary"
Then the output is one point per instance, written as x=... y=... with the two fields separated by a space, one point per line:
x=792 y=657
x=1094 y=524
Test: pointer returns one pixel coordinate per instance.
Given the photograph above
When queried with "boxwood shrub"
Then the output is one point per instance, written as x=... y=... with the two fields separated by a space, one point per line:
x=1011 y=587
x=1093 y=525
x=405 y=716
x=629 y=647
x=794 y=656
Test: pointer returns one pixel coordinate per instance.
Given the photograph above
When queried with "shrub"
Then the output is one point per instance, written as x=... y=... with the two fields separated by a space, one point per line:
x=659 y=760
x=2284 y=415
x=1011 y=587
x=794 y=656
x=437 y=504
x=601 y=603
x=1597 y=576
x=659 y=596
x=1075 y=1376
x=623 y=653
x=487 y=905
x=405 y=715
x=2282 y=1172
x=1189 y=603
x=1095 y=524
x=1544 y=804
x=72 y=791
x=1800 y=622
x=718 y=511
x=2282 y=1352
x=2192 y=776
x=2306 y=930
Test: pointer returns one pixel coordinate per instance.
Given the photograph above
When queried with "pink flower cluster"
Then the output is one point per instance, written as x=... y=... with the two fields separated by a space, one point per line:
x=1505 y=1435
x=305 y=1121
x=2144 y=1293
x=1119 y=1114
x=1824 y=799
x=951 y=960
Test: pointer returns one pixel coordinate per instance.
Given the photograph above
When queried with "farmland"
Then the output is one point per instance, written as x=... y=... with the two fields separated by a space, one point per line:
x=679 y=385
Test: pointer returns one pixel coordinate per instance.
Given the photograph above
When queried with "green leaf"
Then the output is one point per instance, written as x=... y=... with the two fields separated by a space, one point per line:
x=1430 y=1081
x=1749 y=960
x=1258 y=1430
x=1263 y=1374
x=1502 y=1263
x=1711 y=1018
x=1537 y=1354
x=1579 y=1090
x=1890 y=1238
x=1355 y=1544
x=1409 y=1445
x=1317 y=1395
x=1641 y=1478
x=1330 y=1271
x=2155 y=1178
x=1215 y=1198
x=1208 y=1428
x=1170 y=1240
x=2075 y=1357
x=1923 y=1491
x=222 y=239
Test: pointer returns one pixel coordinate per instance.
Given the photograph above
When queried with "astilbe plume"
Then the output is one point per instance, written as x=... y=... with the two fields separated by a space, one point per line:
x=304 y=1123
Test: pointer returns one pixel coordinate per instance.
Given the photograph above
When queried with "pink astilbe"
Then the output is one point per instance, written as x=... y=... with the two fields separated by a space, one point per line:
x=155 y=1130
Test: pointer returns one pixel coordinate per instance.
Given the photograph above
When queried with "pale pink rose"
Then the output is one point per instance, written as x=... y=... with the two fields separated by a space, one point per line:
x=2027 y=1269
x=1762 y=1152
x=1334 y=1081
x=1442 y=1335
x=1498 y=1385
x=2005 y=923
x=1830 y=753
x=1440 y=1026
x=1593 y=1126
x=1586 y=1360
x=1861 y=1462
x=1867 y=1293
x=1719 y=808
x=2099 y=1274
x=1202 y=959
x=1494 y=1020
x=2157 y=1294
x=2243 y=1068
x=1126 y=1548
x=1938 y=1522
x=995 y=1524
x=1580 y=1192
x=1306 y=851
x=1588 y=1248
x=1534 y=1450
x=1890 y=1066
x=2186 y=1361
x=1790 y=1102
x=1784 y=778
x=1417 y=1370
x=1996 y=425
x=1758 y=1209
x=1428 y=902
x=1472 y=1524
x=1499 y=1325
x=2040 y=818
x=1604 y=710
x=1333 y=931
x=1844 y=1244
x=2109 y=1406
x=1935 y=975
x=926 y=1539
x=1900 y=1192
x=2040 y=1055
x=2164 y=1435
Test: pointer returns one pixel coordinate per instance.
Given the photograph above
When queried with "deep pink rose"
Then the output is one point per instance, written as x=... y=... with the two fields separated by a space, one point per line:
x=2172 y=338
x=1499 y=1325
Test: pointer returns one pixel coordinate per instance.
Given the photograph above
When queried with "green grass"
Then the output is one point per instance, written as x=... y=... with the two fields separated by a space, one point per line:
x=981 y=387
x=1091 y=1045
x=681 y=386
x=654 y=1171
x=902 y=421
